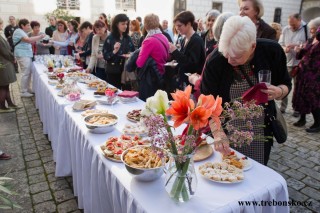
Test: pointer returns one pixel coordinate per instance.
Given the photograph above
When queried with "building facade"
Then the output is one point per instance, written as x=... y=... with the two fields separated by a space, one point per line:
x=275 y=10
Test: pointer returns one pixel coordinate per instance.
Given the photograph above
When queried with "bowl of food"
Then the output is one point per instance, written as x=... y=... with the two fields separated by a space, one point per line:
x=101 y=123
x=143 y=162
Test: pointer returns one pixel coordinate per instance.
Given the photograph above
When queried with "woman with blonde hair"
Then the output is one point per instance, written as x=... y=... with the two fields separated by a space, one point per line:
x=134 y=28
x=234 y=69
x=61 y=35
x=254 y=10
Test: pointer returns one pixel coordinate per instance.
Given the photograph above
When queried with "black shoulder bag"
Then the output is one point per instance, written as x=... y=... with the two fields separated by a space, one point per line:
x=273 y=114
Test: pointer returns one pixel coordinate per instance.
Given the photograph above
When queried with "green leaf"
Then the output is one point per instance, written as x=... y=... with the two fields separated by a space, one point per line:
x=4 y=189
x=6 y=201
x=5 y=178
x=5 y=207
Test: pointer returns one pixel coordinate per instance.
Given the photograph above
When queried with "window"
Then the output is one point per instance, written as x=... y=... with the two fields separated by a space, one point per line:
x=217 y=6
x=68 y=4
x=277 y=15
x=126 y=5
x=179 y=6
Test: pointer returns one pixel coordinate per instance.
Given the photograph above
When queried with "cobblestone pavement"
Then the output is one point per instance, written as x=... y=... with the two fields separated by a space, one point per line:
x=39 y=190
x=32 y=166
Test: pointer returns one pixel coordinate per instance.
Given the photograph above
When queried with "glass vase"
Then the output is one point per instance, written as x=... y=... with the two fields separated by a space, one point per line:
x=181 y=180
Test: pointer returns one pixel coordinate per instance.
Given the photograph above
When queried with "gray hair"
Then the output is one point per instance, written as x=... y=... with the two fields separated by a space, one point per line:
x=238 y=35
x=314 y=23
x=213 y=14
x=258 y=6
x=218 y=24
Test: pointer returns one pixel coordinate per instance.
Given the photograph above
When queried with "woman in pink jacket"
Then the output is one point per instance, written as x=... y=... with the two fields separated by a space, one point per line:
x=155 y=45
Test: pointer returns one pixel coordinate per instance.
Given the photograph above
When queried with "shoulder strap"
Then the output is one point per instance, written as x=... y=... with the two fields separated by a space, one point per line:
x=306 y=31
x=161 y=43
x=246 y=76
x=17 y=43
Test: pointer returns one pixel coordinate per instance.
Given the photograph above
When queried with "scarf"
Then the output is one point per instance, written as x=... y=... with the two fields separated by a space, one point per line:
x=153 y=32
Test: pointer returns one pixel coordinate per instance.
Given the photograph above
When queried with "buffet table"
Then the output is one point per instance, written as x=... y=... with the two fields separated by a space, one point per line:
x=105 y=186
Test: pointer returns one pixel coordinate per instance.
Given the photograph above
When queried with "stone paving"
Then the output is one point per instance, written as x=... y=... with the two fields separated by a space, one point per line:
x=32 y=165
x=39 y=190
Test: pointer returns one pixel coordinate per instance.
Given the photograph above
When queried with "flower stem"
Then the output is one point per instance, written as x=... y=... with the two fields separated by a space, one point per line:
x=181 y=182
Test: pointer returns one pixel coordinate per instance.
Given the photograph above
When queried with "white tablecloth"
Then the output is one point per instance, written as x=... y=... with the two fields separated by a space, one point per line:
x=105 y=186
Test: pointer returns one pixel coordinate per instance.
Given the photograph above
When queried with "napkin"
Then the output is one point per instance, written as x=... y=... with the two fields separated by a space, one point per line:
x=128 y=94
x=254 y=93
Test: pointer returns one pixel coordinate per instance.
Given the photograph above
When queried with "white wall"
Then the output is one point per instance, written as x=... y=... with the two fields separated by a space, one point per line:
x=200 y=8
x=90 y=9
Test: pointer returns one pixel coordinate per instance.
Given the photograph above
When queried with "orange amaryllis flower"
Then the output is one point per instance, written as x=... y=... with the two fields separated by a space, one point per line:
x=180 y=94
x=181 y=106
x=199 y=117
x=216 y=111
x=206 y=101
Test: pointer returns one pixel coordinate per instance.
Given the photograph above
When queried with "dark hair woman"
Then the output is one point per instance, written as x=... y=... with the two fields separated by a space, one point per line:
x=116 y=48
x=191 y=56
x=38 y=48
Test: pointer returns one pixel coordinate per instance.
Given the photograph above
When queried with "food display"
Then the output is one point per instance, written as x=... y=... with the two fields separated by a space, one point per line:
x=102 y=90
x=142 y=157
x=70 y=86
x=94 y=111
x=221 y=172
x=83 y=105
x=96 y=84
x=52 y=76
x=59 y=70
x=233 y=159
x=102 y=119
x=134 y=115
x=114 y=146
x=73 y=96
x=135 y=129
x=101 y=123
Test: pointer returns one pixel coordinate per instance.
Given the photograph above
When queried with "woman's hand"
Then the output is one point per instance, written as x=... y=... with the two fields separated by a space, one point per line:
x=193 y=78
x=221 y=142
x=88 y=70
x=274 y=92
x=116 y=47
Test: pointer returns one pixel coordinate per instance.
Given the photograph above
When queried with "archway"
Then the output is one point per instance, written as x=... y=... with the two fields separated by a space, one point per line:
x=310 y=13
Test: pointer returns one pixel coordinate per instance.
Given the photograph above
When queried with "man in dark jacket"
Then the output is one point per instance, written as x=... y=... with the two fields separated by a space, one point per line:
x=8 y=31
x=49 y=30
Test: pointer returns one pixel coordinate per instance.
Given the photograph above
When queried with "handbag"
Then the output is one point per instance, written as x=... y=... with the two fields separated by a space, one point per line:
x=294 y=71
x=113 y=68
x=273 y=114
x=278 y=124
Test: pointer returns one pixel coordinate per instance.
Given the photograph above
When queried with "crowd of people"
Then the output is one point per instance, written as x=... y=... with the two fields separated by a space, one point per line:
x=221 y=55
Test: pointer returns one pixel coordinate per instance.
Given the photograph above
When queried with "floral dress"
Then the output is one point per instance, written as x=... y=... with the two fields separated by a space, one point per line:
x=306 y=95
x=256 y=149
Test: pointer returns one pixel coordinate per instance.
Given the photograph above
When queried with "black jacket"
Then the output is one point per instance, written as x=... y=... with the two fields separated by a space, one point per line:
x=149 y=77
x=190 y=58
x=87 y=46
x=266 y=31
x=108 y=47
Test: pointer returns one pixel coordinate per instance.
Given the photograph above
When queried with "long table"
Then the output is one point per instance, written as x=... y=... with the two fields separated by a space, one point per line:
x=102 y=185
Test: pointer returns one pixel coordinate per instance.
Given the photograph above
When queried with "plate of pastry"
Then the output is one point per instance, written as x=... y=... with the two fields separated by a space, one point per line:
x=221 y=172
x=135 y=129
